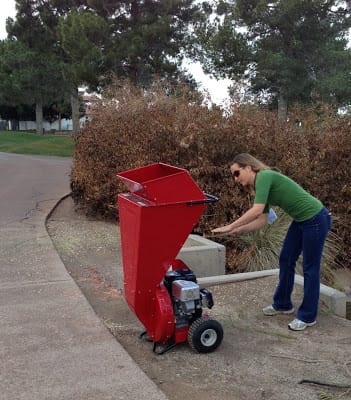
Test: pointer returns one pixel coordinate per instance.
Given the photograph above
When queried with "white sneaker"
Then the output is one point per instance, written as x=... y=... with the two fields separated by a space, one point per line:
x=271 y=311
x=298 y=325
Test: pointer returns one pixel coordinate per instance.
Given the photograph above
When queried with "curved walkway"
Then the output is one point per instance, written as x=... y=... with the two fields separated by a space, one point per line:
x=52 y=344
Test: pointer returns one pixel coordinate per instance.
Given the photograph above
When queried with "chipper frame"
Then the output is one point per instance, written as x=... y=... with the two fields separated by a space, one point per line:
x=156 y=216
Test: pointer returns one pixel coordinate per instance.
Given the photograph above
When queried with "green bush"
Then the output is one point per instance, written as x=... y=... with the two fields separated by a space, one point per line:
x=133 y=127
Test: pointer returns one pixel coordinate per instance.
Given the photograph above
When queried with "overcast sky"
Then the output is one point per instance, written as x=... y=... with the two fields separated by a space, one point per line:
x=7 y=9
x=217 y=89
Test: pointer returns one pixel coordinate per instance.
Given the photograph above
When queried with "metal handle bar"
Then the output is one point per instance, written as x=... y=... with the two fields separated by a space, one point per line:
x=209 y=199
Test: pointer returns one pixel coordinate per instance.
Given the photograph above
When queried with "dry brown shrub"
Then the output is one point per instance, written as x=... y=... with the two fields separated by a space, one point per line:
x=134 y=127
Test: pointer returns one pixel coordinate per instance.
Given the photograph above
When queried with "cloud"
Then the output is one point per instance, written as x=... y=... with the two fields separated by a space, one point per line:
x=218 y=89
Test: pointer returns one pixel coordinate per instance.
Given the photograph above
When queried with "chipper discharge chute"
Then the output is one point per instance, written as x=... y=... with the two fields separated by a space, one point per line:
x=156 y=216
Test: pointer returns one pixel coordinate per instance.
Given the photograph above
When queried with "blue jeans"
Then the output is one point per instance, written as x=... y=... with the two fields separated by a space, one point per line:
x=307 y=237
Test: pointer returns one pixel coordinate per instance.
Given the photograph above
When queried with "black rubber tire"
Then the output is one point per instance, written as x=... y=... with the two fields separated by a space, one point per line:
x=205 y=335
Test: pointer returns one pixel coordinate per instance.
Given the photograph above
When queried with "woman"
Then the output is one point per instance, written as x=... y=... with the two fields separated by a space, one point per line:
x=307 y=233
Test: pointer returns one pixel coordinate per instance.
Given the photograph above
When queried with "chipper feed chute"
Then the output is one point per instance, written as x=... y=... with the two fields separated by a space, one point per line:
x=156 y=216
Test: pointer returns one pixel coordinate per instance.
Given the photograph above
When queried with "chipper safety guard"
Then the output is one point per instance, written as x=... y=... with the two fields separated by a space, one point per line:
x=156 y=216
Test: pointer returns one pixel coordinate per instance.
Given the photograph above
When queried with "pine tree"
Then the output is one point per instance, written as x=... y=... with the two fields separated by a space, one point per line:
x=294 y=50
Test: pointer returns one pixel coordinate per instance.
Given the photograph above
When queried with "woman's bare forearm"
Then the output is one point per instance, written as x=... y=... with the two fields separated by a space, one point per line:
x=258 y=223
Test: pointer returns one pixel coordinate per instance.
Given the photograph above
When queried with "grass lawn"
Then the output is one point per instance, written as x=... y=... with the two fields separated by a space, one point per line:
x=31 y=143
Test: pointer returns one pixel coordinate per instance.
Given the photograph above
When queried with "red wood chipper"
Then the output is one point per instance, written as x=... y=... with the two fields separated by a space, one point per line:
x=156 y=216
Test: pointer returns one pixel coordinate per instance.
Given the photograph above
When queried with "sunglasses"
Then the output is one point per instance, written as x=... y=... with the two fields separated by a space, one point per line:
x=236 y=173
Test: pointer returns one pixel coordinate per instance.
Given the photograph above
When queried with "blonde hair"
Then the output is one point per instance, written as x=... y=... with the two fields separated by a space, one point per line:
x=245 y=159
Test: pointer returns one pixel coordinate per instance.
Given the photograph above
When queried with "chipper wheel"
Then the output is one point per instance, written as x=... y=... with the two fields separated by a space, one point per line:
x=205 y=335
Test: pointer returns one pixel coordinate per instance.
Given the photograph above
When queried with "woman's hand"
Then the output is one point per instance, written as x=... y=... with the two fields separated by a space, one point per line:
x=222 y=229
x=226 y=230
x=253 y=219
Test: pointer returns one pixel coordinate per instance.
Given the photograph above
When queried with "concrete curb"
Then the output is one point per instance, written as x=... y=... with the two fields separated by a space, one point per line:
x=230 y=278
x=49 y=214
x=203 y=256
x=338 y=302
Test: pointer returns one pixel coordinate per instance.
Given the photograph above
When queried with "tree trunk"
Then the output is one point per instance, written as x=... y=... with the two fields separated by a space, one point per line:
x=39 y=117
x=75 y=111
x=282 y=108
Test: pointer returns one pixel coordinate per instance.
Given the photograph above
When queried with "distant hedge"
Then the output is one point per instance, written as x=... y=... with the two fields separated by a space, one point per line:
x=133 y=127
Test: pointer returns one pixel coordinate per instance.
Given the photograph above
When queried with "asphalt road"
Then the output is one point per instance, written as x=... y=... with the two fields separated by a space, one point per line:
x=30 y=187
x=26 y=181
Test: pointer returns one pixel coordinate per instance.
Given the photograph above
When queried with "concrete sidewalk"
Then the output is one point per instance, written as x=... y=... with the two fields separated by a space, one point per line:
x=53 y=345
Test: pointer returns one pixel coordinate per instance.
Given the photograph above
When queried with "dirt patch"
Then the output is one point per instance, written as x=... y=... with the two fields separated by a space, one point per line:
x=259 y=357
